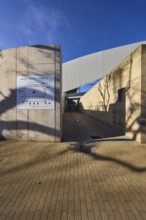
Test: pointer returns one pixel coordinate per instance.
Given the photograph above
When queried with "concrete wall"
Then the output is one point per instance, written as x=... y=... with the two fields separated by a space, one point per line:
x=143 y=82
x=120 y=97
x=29 y=124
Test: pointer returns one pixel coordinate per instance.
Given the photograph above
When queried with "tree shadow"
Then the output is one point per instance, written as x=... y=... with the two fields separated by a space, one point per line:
x=87 y=150
x=39 y=158
x=123 y=83
x=111 y=114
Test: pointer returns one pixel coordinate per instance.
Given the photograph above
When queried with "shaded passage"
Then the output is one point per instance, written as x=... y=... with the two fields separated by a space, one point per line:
x=79 y=127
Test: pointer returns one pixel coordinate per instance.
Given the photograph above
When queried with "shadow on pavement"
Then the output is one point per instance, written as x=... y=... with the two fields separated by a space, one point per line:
x=87 y=149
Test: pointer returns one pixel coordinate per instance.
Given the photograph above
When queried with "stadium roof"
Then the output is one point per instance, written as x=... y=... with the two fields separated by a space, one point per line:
x=91 y=67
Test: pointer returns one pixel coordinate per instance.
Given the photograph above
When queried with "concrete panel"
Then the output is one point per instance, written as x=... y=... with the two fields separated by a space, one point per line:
x=58 y=109
x=8 y=124
x=8 y=62
x=22 y=62
x=41 y=125
x=143 y=94
x=43 y=68
x=42 y=54
x=8 y=94
x=22 y=125
x=34 y=124
x=58 y=96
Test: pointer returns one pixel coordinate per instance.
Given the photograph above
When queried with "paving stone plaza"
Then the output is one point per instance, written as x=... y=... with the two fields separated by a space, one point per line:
x=40 y=180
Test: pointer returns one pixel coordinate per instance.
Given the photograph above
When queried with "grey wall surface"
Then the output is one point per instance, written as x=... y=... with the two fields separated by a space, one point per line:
x=29 y=124
x=117 y=99
x=88 y=68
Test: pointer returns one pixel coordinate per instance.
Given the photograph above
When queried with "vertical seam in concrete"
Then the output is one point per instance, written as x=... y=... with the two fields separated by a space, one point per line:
x=60 y=95
x=55 y=94
x=16 y=96
x=141 y=72
x=27 y=109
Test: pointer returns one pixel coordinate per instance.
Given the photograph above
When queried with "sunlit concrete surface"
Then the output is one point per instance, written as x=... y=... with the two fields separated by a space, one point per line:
x=30 y=93
x=119 y=99
x=40 y=180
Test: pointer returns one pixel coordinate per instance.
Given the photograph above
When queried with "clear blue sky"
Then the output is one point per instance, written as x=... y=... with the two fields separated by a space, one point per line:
x=80 y=26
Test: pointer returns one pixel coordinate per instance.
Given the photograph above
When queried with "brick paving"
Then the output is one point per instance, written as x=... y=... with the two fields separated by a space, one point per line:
x=44 y=181
x=72 y=180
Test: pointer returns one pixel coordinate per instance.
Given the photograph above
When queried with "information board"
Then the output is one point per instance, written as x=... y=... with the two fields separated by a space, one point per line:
x=36 y=92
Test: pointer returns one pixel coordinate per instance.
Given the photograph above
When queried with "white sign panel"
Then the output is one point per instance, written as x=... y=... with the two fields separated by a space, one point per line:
x=35 y=92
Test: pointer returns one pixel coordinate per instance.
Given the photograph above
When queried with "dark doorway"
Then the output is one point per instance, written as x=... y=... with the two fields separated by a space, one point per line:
x=119 y=111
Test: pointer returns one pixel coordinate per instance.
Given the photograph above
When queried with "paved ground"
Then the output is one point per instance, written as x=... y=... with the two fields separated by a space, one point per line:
x=79 y=127
x=108 y=183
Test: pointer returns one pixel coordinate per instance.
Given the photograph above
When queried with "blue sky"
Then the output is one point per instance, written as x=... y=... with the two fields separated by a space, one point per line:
x=80 y=26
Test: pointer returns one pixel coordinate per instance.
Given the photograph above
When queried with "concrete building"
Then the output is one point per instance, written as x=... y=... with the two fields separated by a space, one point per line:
x=30 y=93
x=119 y=99
x=32 y=85
x=94 y=66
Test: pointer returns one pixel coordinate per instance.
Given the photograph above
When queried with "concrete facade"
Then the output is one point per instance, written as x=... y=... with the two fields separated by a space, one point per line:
x=94 y=66
x=120 y=98
x=143 y=94
x=30 y=124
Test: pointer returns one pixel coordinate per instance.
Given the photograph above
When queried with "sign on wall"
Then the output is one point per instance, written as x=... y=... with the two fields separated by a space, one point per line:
x=35 y=92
